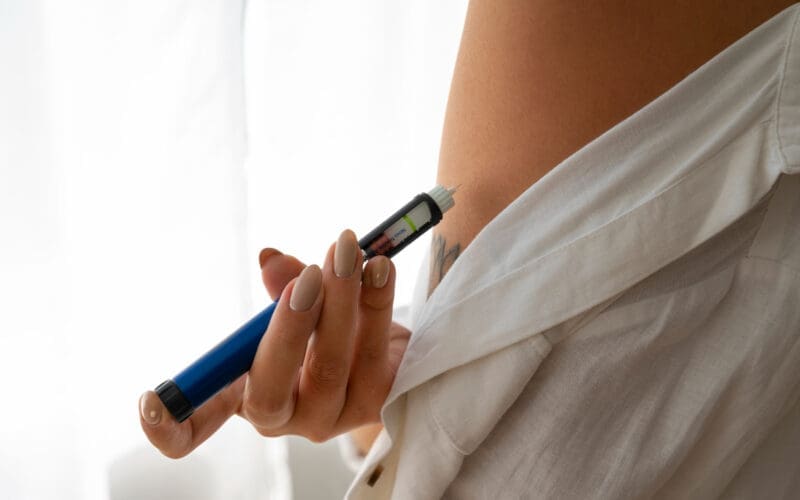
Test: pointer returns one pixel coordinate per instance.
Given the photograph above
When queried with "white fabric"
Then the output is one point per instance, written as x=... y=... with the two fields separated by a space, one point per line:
x=628 y=327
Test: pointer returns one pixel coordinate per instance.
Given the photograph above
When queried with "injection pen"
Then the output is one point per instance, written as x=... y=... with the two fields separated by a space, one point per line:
x=232 y=357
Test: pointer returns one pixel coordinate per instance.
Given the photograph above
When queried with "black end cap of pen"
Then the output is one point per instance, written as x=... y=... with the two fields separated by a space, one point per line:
x=172 y=397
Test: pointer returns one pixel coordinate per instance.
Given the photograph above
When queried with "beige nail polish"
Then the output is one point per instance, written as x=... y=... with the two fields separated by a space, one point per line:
x=306 y=289
x=378 y=273
x=344 y=255
x=150 y=407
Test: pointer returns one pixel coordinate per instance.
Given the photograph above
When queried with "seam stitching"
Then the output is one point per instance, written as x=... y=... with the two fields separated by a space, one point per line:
x=781 y=86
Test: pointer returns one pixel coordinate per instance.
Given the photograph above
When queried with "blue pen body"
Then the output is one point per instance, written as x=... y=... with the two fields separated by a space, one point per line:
x=217 y=368
x=233 y=357
x=226 y=362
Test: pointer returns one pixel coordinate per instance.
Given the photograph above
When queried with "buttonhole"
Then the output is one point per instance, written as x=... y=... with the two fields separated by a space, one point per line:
x=376 y=474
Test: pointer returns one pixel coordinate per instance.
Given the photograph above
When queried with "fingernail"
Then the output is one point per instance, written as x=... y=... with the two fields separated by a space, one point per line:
x=150 y=407
x=266 y=254
x=344 y=255
x=306 y=289
x=378 y=272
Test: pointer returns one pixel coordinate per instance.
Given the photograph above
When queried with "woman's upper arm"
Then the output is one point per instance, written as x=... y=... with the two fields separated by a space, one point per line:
x=537 y=80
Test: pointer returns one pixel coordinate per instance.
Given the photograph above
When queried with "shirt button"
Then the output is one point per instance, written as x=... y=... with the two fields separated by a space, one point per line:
x=376 y=474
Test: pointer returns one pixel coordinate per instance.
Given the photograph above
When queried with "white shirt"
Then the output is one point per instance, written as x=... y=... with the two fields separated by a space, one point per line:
x=629 y=326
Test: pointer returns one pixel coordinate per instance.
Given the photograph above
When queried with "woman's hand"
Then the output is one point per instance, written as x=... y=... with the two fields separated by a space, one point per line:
x=325 y=364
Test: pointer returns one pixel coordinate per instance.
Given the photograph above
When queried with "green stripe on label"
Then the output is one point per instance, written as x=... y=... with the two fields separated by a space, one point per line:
x=410 y=223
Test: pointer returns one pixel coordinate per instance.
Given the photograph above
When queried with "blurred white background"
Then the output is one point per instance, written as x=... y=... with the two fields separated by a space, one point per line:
x=148 y=151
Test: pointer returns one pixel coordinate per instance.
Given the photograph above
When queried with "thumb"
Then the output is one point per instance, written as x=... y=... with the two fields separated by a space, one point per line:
x=277 y=270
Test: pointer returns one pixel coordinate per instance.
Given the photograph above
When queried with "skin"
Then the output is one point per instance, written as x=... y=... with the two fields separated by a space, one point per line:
x=535 y=81
x=317 y=373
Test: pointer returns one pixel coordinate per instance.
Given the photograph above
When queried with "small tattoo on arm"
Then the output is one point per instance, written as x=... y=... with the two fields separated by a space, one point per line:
x=442 y=259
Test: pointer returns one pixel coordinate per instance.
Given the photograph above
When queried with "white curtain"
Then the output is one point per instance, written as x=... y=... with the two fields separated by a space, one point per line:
x=148 y=150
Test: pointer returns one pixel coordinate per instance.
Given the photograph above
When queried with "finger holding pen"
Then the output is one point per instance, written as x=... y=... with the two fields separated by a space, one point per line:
x=175 y=439
x=316 y=359
x=335 y=352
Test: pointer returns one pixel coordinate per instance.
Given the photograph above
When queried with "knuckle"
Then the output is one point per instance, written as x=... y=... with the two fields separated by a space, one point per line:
x=325 y=373
x=267 y=432
x=266 y=411
x=363 y=408
x=363 y=413
x=377 y=300
x=371 y=354
x=173 y=452
x=171 y=443
x=172 y=446
x=318 y=436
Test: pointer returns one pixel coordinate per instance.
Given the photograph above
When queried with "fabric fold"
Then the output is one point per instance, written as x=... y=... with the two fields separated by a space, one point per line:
x=648 y=192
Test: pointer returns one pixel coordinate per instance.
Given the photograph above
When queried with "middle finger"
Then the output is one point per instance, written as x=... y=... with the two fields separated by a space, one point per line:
x=323 y=382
